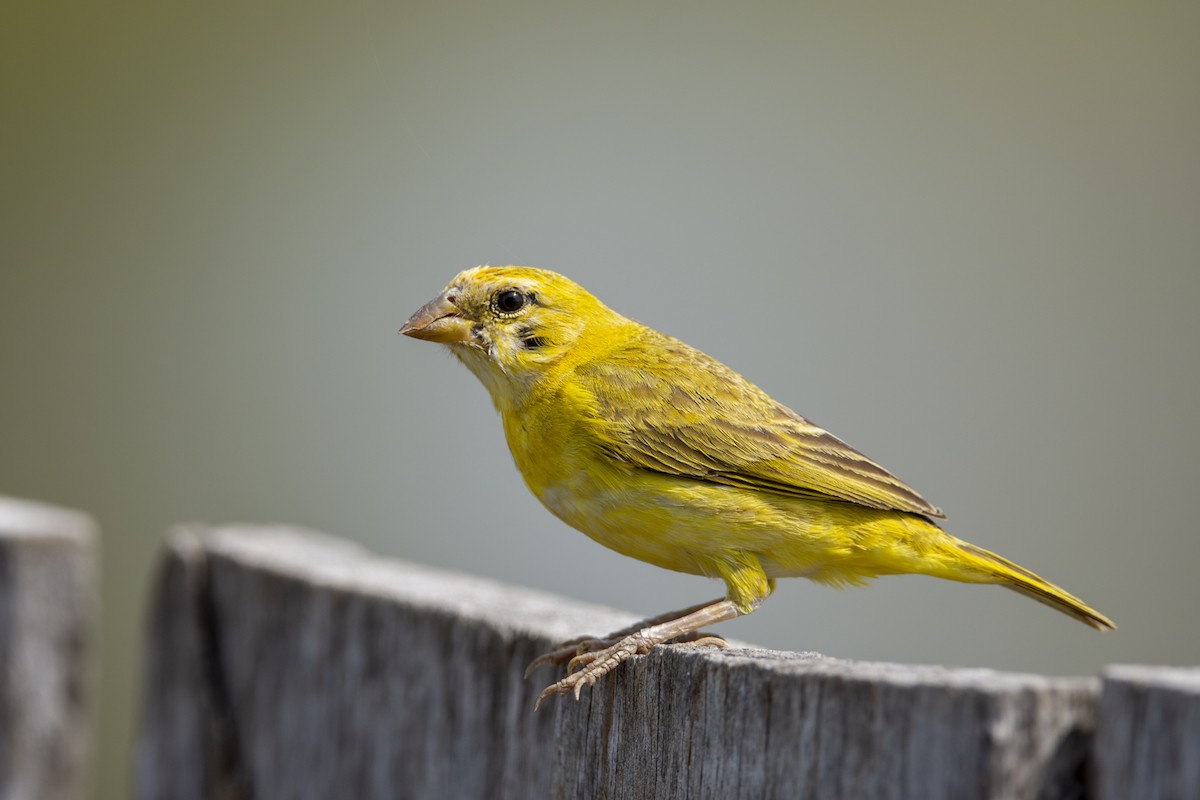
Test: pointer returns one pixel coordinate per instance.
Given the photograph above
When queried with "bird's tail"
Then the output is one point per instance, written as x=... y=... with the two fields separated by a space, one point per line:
x=1006 y=573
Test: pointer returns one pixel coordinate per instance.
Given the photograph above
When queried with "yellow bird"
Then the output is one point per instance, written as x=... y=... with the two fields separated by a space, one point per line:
x=664 y=454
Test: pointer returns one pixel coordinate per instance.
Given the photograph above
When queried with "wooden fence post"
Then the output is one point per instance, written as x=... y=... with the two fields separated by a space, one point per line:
x=285 y=664
x=46 y=606
x=764 y=724
x=1148 y=745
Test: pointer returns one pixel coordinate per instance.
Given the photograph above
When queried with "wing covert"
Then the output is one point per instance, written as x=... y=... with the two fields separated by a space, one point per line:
x=716 y=426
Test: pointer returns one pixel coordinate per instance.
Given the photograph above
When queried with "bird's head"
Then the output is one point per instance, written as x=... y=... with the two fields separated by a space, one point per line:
x=512 y=325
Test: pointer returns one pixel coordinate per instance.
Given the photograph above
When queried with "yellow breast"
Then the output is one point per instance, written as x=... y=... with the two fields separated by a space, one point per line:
x=673 y=523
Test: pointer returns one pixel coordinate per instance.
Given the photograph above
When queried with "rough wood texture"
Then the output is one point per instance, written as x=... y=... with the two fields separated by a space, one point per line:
x=763 y=724
x=1148 y=742
x=46 y=602
x=291 y=665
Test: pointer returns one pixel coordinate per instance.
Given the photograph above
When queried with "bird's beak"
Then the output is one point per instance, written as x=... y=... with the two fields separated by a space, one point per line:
x=439 y=320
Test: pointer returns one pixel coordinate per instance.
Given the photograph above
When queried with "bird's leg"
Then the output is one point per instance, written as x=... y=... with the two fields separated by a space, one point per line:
x=747 y=585
x=596 y=664
x=565 y=651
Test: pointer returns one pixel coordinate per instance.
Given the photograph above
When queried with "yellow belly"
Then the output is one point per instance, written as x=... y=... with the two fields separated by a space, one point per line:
x=686 y=526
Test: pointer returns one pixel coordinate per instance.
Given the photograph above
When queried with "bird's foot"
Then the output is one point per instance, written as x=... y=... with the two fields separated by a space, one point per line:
x=590 y=659
x=585 y=668
x=565 y=651
x=572 y=649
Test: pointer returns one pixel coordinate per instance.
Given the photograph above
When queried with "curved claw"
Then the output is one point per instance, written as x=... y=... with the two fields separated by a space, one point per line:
x=544 y=660
x=572 y=684
x=580 y=660
x=549 y=690
x=568 y=651
x=589 y=660
x=583 y=650
x=594 y=665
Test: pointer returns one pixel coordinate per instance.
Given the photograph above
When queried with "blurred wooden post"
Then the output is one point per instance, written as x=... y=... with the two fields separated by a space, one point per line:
x=1148 y=745
x=46 y=606
x=284 y=664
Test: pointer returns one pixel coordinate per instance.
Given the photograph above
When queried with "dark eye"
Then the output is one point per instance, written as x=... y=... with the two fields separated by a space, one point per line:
x=509 y=301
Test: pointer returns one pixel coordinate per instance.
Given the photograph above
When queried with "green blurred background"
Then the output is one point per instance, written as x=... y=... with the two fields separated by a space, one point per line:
x=964 y=237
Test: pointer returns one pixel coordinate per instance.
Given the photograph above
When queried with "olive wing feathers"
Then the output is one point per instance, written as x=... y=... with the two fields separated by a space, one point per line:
x=666 y=407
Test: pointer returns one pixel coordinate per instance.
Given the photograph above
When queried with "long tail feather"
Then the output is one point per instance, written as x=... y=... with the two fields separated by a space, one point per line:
x=1022 y=580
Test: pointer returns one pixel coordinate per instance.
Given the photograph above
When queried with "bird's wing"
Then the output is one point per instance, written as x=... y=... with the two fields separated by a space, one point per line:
x=666 y=407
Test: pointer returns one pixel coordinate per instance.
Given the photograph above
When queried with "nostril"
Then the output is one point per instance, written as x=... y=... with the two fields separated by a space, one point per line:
x=451 y=298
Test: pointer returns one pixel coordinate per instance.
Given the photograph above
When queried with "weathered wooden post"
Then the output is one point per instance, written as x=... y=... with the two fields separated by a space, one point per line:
x=764 y=724
x=46 y=608
x=284 y=664
x=1148 y=744
x=290 y=665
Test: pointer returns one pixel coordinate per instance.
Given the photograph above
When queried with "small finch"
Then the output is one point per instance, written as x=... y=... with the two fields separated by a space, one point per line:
x=661 y=453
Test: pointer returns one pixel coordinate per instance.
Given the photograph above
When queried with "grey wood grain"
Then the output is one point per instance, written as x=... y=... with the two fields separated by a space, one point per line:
x=1148 y=740
x=760 y=724
x=46 y=606
x=292 y=665
x=187 y=746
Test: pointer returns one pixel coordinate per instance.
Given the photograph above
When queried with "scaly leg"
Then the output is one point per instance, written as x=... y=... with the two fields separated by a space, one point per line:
x=596 y=664
x=566 y=651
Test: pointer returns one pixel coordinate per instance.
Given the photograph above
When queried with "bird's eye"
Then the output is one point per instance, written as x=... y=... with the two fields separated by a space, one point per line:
x=509 y=301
